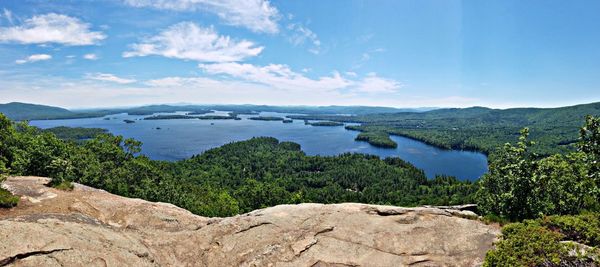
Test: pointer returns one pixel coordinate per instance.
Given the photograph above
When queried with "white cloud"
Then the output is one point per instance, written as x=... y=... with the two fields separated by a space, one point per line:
x=90 y=56
x=34 y=58
x=277 y=76
x=281 y=77
x=51 y=28
x=375 y=84
x=107 y=77
x=301 y=34
x=256 y=15
x=187 y=40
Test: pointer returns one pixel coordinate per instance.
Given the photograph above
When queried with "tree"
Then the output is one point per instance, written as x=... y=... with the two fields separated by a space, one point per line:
x=505 y=189
x=589 y=143
x=520 y=186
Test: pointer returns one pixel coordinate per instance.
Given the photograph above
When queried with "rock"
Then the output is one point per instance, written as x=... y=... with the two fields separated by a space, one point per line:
x=91 y=227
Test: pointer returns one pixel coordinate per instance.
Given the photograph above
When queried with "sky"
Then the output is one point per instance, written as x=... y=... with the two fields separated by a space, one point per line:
x=399 y=53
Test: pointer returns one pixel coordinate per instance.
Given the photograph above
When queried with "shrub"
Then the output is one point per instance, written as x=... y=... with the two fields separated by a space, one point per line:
x=540 y=242
x=7 y=199
x=583 y=228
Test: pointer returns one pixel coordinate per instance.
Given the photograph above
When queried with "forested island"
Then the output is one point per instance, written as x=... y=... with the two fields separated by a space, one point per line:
x=325 y=123
x=170 y=117
x=378 y=139
x=266 y=118
x=77 y=133
x=186 y=117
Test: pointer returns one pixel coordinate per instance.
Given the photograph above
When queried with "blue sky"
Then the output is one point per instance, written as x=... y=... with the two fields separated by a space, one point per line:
x=388 y=53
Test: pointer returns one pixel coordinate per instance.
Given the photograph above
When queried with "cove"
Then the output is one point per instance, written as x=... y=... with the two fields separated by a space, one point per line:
x=178 y=139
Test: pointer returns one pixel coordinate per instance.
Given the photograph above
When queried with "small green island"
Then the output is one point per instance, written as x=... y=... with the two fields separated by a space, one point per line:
x=287 y=121
x=128 y=121
x=75 y=133
x=187 y=117
x=266 y=118
x=199 y=112
x=216 y=117
x=378 y=139
x=169 y=117
x=325 y=123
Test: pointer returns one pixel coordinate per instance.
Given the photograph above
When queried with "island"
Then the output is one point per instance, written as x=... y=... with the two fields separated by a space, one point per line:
x=169 y=117
x=266 y=118
x=216 y=117
x=287 y=121
x=378 y=139
x=75 y=133
x=128 y=121
x=199 y=112
x=325 y=123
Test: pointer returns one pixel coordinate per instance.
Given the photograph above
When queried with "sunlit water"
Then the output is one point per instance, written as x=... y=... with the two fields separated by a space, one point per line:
x=182 y=138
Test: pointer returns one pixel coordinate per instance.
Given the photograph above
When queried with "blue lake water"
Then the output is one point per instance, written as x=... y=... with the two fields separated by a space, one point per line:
x=180 y=139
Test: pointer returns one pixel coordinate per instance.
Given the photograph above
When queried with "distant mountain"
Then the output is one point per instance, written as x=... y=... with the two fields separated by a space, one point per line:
x=23 y=111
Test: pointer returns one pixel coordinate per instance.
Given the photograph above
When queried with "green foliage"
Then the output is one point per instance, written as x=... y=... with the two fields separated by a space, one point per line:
x=379 y=139
x=7 y=200
x=521 y=185
x=589 y=143
x=541 y=242
x=584 y=228
x=527 y=244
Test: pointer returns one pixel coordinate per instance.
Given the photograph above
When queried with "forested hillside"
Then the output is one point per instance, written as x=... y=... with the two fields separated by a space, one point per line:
x=477 y=128
x=23 y=111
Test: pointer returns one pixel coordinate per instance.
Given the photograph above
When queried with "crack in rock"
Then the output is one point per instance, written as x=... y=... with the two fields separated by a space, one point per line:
x=253 y=226
x=12 y=259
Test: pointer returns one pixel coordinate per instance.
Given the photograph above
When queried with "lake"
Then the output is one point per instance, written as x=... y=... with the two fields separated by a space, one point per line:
x=183 y=138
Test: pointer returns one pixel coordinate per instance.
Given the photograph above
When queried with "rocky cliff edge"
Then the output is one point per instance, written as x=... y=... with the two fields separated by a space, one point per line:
x=90 y=227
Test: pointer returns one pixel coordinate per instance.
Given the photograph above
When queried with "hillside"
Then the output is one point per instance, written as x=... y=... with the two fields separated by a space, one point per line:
x=91 y=227
x=24 y=111
x=478 y=128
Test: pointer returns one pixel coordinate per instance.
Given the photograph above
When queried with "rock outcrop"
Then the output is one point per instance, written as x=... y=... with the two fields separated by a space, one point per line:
x=90 y=227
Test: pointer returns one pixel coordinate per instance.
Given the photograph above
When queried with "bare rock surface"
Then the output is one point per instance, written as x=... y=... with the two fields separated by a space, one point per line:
x=90 y=227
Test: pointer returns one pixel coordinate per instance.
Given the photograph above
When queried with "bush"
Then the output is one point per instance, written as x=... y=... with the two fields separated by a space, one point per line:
x=539 y=242
x=583 y=228
x=7 y=199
